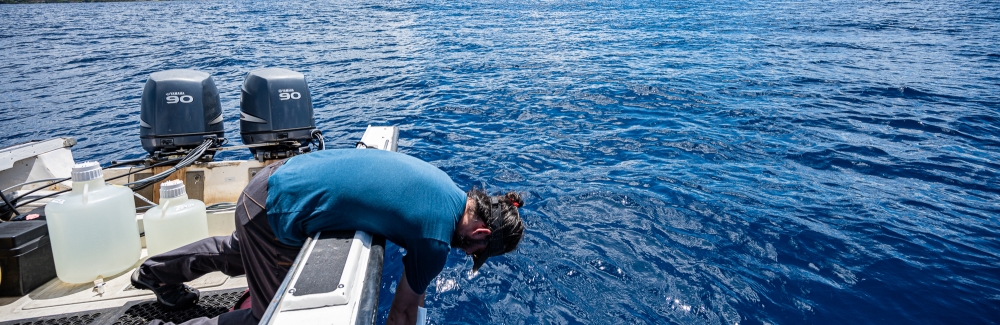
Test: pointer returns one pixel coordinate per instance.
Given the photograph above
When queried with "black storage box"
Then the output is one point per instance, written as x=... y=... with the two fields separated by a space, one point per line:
x=25 y=257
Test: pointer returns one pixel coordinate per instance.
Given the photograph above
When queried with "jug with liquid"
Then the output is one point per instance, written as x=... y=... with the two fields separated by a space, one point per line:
x=92 y=228
x=176 y=221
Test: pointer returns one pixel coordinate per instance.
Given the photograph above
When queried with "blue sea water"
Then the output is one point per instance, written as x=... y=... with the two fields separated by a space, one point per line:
x=683 y=162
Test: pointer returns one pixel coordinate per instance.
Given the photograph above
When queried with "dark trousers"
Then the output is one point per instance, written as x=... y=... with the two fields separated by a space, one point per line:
x=252 y=250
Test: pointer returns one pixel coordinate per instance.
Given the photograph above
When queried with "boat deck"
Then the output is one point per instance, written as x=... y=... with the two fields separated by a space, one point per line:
x=212 y=303
x=57 y=302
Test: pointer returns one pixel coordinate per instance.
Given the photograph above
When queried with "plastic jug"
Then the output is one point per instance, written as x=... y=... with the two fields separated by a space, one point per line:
x=175 y=222
x=92 y=229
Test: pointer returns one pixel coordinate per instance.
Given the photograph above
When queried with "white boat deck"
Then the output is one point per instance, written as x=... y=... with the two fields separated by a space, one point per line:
x=57 y=297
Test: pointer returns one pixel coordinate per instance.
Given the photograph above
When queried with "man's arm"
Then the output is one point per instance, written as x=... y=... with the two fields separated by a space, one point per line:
x=404 y=304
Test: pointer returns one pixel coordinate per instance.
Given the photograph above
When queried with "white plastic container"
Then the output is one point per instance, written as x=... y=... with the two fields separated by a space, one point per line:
x=92 y=229
x=175 y=222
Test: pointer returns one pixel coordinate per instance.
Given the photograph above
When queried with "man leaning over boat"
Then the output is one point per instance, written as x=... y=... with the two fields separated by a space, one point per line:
x=408 y=201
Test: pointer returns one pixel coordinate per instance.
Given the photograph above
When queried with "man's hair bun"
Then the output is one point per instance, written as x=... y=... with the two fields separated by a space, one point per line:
x=515 y=199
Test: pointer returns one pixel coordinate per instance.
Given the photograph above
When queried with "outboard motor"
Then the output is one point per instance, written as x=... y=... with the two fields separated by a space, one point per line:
x=276 y=114
x=180 y=110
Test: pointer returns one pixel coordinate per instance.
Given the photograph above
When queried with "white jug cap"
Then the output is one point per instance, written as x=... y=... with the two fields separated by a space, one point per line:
x=86 y=171
x=172 y=189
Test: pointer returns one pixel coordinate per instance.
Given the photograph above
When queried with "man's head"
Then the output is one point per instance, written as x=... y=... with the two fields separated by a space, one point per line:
x=490 y=226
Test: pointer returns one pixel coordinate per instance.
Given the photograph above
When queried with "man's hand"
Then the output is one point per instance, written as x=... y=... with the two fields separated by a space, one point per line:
x=404 y=304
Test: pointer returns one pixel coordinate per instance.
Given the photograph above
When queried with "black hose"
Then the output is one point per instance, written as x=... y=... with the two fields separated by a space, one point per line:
x=129 y=162
x=318 y=135
x=221 y=206
x=10 y=205
x=39 y=189
x=68 y=178
x=116 y=177
x=137 y=185
x=116 y=163
x=113 y=178
x=166 y=162
x=191 y=157
x=39 y=198
x=36 y=181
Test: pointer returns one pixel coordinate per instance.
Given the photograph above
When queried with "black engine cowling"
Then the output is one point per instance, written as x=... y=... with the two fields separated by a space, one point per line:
x=276 y=107
x=180 y=108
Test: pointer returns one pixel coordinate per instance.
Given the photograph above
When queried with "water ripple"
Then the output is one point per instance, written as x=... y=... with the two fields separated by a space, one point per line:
x=706 y=162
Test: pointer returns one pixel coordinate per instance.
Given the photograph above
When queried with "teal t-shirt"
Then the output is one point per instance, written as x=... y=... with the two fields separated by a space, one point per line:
x=409 y=201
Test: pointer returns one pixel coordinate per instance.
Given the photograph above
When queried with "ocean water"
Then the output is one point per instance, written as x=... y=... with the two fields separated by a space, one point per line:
x=683 y=162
